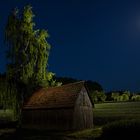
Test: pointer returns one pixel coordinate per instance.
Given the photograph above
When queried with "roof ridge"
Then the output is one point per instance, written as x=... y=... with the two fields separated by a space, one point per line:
x=65 y=85
x=74 y=83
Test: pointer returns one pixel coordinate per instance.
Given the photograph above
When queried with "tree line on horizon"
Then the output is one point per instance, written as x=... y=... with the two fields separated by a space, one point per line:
x=95 y=89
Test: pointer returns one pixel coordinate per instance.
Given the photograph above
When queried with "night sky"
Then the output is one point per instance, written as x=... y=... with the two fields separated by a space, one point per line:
x=95 y=40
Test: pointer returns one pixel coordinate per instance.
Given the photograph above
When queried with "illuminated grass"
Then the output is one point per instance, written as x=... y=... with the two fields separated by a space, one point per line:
x=108 y=112
x=6 y=114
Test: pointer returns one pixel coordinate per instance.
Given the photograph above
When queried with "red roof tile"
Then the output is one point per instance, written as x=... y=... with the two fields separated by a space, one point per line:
x=56 y=97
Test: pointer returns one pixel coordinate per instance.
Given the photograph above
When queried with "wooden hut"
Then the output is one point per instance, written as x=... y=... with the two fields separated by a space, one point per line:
x=67 y=107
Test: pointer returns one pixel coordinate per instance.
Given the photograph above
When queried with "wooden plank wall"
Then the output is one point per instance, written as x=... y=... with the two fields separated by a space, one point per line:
x=55 y=119
x=83 y=112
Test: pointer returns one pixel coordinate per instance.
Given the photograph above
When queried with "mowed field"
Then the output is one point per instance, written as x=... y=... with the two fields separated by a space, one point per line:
x=108 y=112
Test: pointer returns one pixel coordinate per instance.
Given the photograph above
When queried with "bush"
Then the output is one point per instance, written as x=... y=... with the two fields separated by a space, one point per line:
x=98 y=96
x=123 y=97
x=120 y=96
x=121 y=130
x=135 y=98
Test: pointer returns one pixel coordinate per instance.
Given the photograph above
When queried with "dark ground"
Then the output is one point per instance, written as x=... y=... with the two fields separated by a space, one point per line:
x=24 y=134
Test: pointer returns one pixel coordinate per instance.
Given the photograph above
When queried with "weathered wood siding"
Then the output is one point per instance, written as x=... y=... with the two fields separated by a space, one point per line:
x=77 y=115
x=53 y=119
x=83 y=111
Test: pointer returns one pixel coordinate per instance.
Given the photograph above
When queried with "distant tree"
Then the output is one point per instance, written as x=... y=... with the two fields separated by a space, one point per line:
x=120 y=96
x=98 y=96
x=109 y=96
x=127 y=92
x=135 y=98
x=115 y=96
x=125 y=97
x=93 y=86
x=95 y=91
x=28 y=52
x=101 y=96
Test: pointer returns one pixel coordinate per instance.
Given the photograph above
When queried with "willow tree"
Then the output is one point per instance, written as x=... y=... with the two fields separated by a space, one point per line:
x=28 y=52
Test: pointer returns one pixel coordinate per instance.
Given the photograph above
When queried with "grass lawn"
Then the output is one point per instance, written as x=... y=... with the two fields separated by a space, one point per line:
x=108 y=112
x=6 y=114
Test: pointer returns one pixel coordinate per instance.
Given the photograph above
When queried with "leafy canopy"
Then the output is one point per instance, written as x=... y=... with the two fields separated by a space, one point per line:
x=28 y=50
x=27 y=53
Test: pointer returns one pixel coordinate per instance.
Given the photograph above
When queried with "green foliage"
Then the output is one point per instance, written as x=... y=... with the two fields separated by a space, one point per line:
x=6 y=115
x=115 y=96
x=5 y=97
x=135 y=98
x=127 y=92
x=28 y=52
x=123 y=96
x=28 y=49
x=98 y=96
x=95 y=91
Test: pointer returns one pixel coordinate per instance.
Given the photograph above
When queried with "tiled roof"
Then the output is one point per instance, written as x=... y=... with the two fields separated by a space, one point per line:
x=56 y=97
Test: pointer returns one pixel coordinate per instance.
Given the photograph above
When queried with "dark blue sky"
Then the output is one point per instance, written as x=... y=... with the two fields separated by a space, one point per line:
x=95 y=40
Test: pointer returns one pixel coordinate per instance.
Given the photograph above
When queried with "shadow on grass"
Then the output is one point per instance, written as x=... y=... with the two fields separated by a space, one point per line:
x=121 y=130
x=33 y=134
